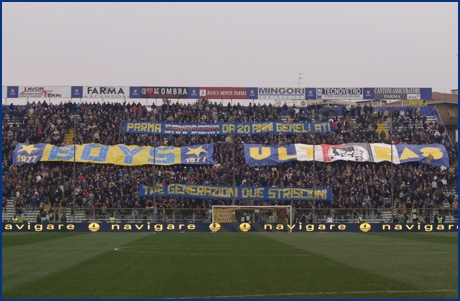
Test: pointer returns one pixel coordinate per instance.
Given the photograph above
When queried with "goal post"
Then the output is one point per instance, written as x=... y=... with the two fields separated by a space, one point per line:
x=222 y=214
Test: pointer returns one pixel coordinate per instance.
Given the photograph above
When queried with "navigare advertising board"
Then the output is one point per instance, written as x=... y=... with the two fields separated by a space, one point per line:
x=120 y=92
x=340 y=93
x=281 y=93
x=403 y=93
x=120 y=226
x=163 y=92
x=223 y=93
x=43 y=92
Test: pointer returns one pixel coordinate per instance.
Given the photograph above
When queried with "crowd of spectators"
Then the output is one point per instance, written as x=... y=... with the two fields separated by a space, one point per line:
x=101 y=187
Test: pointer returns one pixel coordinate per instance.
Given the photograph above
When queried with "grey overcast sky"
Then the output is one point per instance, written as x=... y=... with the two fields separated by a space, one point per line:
x=231 y=44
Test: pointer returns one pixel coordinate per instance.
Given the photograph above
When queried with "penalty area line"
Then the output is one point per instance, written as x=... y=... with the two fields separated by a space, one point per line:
x=319 y=293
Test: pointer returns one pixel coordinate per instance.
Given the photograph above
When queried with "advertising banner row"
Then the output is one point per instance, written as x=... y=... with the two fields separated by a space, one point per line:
x=227 y=227
x=127 y=92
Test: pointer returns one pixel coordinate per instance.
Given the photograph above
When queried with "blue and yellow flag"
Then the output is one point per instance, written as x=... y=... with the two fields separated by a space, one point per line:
x=262 y=155
x=27 y=154
x=120 y=154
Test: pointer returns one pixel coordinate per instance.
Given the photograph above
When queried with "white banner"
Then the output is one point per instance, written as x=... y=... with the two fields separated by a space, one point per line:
x=291 y=102
x=119 y=92
x=414 y=96
x=305 y=152
x=282 y=93
x=4 y=89
x=43 y=92
x=339 y=93
x=354 y=152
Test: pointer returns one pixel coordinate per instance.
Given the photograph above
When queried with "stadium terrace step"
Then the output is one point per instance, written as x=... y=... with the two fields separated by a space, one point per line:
x=69 y=136
x=428 y=120
x=382 y=127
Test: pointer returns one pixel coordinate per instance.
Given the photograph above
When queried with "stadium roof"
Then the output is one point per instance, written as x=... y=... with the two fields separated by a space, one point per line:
x=446 y=97
x=438 y=98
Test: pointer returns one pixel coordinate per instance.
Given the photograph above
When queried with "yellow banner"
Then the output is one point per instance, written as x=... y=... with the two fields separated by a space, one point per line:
x=224 y=215
x=416 y=102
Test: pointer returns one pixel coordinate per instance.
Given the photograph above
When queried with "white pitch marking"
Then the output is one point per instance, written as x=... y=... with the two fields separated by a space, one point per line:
x=320 y=293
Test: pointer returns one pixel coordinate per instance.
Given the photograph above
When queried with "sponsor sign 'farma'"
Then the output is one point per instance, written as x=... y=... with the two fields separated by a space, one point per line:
x=106 y=92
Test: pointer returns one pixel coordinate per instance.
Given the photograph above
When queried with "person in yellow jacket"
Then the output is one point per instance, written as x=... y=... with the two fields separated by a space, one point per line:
x=440 y=220
x=286 y=220
x=112 y=219
x=14 y=220
x=360 y=219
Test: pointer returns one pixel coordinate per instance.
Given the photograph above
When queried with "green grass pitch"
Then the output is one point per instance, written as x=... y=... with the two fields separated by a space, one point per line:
x=230 y=265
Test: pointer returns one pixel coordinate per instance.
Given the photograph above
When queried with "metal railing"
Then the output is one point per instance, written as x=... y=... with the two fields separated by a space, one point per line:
x=439 y=120
x=193 y=215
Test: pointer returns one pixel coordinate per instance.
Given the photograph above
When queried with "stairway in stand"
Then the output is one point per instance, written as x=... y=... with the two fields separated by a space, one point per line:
x=69 y=136
x=382 y=127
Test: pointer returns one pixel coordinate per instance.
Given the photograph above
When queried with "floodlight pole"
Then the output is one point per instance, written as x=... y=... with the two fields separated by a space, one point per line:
x=300 y=78
x=233 y=158
x=314 y=175
x=154 y=164
x=74 y=168
x=391 y=168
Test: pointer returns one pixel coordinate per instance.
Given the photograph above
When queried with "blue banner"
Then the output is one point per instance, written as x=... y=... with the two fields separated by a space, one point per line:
x=238 y=192
x=252 y=93
x=434 y=154
x=426 y=93
x=76 y=92
x=194 y=92
x=12 y=92
x=310 y=93
x=134 y=92
x=368 y=93
x=227 y=128
x=263 y=155
x=28 y=154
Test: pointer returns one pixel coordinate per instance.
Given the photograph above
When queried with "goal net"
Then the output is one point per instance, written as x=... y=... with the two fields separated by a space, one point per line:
x=222 y=214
